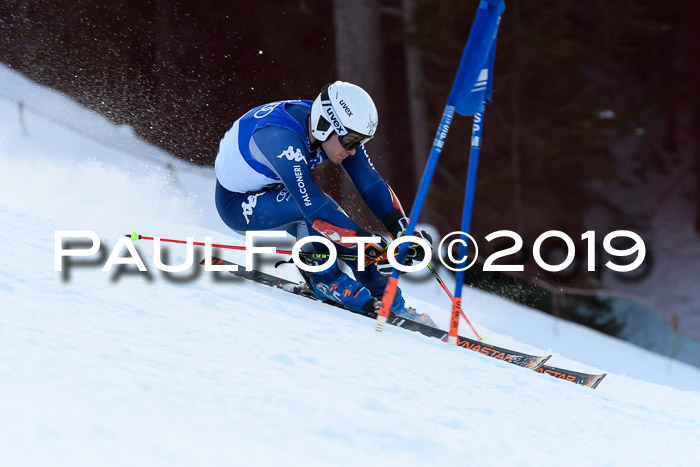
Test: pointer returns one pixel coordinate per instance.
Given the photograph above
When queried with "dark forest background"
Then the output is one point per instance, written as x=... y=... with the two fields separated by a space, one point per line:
x=575 y=83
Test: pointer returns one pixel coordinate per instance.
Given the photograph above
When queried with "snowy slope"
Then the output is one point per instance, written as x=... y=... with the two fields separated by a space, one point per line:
x=136 y=369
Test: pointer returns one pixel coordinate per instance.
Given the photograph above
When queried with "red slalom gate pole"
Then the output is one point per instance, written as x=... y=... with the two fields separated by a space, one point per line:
x=456 y=303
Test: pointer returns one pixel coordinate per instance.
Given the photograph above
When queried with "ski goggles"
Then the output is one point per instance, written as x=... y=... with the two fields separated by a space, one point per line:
x=352 y=140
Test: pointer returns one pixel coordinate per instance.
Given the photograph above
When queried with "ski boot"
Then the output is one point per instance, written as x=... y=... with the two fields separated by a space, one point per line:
x=335 y=285
x=413 y=315
x=400 y=309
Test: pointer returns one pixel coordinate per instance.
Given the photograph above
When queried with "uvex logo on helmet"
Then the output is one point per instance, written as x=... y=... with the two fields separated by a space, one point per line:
x=334 y=119
x=345 y=108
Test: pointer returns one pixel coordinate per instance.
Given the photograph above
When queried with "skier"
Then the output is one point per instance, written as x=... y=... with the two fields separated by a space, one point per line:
x=264 y=182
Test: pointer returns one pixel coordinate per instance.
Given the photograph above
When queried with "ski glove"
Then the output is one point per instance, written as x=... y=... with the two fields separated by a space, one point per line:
x=396 y=223
x=415 y=251
x=376 y=252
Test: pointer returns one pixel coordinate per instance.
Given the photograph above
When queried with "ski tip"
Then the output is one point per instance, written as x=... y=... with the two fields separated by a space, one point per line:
x=595 y=381
x=134 y=236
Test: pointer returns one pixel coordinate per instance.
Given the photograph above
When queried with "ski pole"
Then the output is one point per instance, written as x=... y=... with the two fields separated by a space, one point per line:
x=447 y=291
x=134 y=236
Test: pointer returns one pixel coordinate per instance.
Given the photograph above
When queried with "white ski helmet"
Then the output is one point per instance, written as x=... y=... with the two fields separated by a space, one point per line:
x=346 y=109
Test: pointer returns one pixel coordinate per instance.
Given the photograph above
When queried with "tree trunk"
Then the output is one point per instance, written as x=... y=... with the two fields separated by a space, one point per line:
x=690 y=40
x=420 y=138
x=358 y=49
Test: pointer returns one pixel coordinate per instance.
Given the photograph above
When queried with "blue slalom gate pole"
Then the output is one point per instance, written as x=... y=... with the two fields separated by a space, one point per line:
x=438 y=143
x=470 y=90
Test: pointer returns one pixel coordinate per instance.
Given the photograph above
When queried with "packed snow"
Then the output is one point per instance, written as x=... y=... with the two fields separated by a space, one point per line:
x=128 y=368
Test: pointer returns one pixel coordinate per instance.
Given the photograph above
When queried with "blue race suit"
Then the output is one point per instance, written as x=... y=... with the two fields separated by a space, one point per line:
x=264 y=180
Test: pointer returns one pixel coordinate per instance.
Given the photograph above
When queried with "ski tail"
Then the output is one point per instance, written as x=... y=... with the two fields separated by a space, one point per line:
x=584 y=379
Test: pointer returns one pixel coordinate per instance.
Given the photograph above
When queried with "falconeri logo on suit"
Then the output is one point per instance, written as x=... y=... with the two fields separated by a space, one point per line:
x=302 y=186
x=293 y=154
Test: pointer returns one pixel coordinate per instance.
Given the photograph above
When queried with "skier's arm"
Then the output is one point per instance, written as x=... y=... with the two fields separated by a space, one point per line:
x=378 y=195
x=284 y=152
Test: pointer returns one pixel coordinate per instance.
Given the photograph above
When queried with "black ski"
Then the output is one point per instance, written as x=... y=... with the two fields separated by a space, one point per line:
x=532 y=362
x=577 y=377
